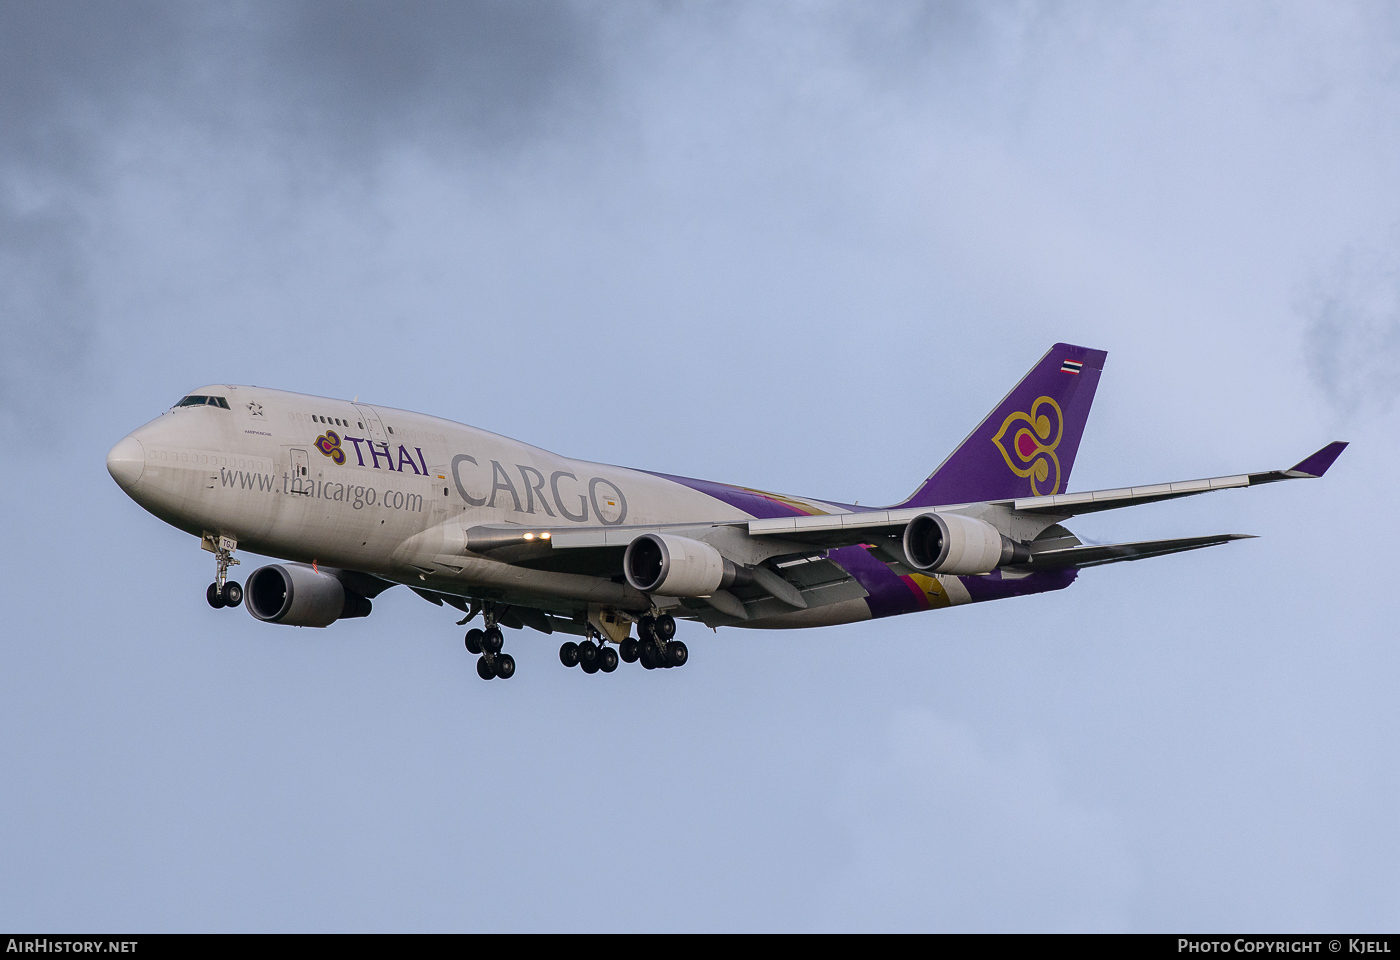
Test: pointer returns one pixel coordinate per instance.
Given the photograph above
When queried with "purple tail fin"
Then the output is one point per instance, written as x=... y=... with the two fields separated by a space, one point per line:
x=1026 y=446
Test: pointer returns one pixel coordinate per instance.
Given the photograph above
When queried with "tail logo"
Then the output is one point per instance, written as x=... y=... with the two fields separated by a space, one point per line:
x=329 y=445
x=1032 y=445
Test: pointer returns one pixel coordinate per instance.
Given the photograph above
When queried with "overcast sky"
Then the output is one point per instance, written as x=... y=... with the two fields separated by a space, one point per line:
x=803 y=247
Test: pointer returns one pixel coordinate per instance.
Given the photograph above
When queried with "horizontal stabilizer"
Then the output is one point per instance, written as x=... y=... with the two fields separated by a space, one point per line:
x=1089 y=555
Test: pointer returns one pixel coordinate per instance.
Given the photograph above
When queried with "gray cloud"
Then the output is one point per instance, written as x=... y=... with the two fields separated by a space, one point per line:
x=65 y=71
x=321 y=87
x=379 y=72
x=71 y=73
x=1353 y=330
x=45 y=309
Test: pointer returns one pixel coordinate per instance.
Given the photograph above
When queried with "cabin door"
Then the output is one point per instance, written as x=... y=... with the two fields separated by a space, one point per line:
x=369 y=422
x=301 y=472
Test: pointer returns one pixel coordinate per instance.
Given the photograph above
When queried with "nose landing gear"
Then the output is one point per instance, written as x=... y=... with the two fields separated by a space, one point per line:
x=223 y=592
x=230 y=596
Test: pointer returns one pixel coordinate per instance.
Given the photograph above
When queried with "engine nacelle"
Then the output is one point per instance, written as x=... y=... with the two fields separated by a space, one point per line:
x=678 y=566
x=299 y=596
x=952 y=543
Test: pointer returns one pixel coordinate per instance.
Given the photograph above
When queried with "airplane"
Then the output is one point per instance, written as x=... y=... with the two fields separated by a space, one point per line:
x=357 y=498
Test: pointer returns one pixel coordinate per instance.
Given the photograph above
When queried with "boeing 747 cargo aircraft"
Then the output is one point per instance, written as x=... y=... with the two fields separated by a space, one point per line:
x=356 y=498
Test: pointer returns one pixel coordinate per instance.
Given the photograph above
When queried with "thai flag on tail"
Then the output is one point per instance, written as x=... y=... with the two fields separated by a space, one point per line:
x=1071 y=366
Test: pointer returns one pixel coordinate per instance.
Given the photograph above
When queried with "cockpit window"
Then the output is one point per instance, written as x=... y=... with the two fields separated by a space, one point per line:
x=196 y=401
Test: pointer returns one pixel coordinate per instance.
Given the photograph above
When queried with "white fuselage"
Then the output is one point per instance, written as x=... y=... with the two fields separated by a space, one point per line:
x=390 y=492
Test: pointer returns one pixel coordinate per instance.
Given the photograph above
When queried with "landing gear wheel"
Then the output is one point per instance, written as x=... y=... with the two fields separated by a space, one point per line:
x=568 y=654
x=646 y=628
x=589 y=666
x=665 y=627
x=676 y=654
x=473 y=641
x=649 y=657
x=233 y=593
x=484 y=669
x=628 y=650
x=607 y=659
x=219 y=595
x=587 y=653
x=505 y=666
x=492 y=640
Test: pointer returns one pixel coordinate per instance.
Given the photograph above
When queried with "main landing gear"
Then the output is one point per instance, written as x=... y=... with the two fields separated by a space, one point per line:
x=492 y=663
x=591 y=656
x=655 y=648
x=224 y=592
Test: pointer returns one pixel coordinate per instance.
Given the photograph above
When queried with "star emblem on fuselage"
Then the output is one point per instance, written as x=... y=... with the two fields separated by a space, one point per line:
x=255 y=408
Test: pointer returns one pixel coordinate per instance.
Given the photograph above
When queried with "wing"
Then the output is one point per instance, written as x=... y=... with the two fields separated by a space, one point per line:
x=1074 y=504
x=785 y=576
x=785 y=558
x=845 y=529
x=592 y=551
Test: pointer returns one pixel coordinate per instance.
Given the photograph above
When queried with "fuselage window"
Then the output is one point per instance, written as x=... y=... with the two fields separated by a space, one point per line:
x=391 y=429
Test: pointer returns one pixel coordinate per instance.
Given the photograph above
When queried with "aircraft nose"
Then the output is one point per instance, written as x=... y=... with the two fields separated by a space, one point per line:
x=126 y=462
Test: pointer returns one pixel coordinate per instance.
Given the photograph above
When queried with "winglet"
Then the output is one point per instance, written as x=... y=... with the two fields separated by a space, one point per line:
x=1317 y=464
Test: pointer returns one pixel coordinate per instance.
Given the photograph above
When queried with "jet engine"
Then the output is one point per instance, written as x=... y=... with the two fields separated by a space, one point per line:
x=952 y=543
x=297 y=595
x=679 y=566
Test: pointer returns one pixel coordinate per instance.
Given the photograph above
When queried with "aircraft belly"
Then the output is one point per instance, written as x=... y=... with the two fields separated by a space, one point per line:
x=844 y=611
x=475 y=576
